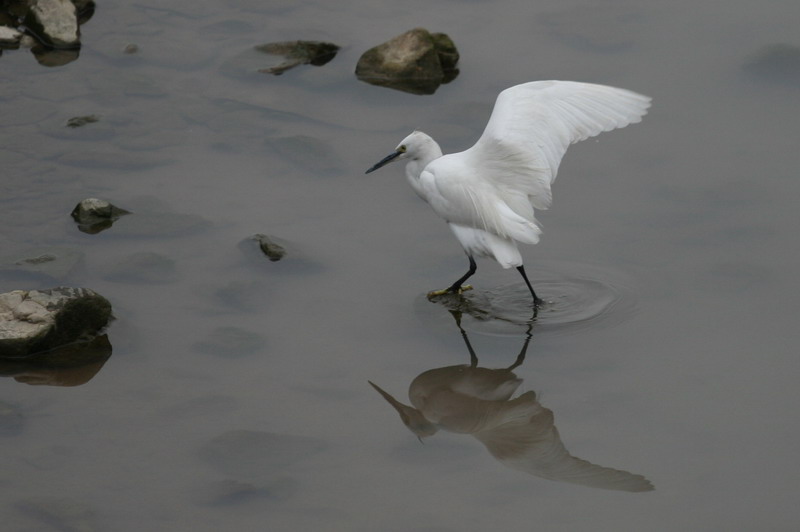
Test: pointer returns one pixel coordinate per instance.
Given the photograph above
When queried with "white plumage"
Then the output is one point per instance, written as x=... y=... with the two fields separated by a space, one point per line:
x=488 y=193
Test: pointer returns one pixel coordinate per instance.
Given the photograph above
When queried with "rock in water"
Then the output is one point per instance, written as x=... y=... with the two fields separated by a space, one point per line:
x=54 y=262
x=297 y=53
x=269 y=247
x=32 y=321
x=94 y=215
x=55 y=22
x=416 y=61
x=80 y=121
x=9 y=37
x=776 y=63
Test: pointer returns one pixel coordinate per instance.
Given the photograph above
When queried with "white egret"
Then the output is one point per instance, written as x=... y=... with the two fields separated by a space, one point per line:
x=487 y=194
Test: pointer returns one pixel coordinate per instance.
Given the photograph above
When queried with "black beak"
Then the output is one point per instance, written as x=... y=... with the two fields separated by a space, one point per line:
x=386 y=160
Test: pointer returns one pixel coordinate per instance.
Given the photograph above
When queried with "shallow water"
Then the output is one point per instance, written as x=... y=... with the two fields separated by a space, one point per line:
x=237 y=395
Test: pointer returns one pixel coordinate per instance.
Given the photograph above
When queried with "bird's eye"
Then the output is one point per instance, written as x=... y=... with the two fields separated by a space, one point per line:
x=401 y=149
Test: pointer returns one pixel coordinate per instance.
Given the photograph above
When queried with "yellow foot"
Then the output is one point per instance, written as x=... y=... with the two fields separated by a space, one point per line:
x=460 y=291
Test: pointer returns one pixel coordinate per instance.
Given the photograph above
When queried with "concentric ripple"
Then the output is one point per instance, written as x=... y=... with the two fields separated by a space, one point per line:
x=577 y=296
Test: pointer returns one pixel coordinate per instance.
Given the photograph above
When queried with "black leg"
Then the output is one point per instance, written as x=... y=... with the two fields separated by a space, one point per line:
x=536 y=300
x=456 y=286
x=473 y=358
x=521 y=356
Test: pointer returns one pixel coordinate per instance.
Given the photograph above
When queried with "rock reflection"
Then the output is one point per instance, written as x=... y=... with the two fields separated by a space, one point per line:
x=519 y=432
x=71 y=365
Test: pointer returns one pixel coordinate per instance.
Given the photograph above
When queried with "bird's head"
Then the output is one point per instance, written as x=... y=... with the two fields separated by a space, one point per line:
x=417 y=145
x=411 y=417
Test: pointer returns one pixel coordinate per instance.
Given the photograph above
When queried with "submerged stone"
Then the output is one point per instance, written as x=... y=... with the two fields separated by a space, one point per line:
x=51 y=262
x=78 y=121
x=94 y=215
x=227 y=492
x=776 y=63
x=269 y=247
x=34 y=321
x=294 y=261
x=416 y=61
x=296 y=53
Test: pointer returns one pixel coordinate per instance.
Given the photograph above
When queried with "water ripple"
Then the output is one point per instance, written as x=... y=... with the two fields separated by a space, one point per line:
x=577 y=297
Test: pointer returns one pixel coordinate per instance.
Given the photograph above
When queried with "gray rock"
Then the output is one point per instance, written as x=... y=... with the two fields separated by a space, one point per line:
x=278 y=57
x=269 y=247
x=55 y=22
x=38 y=320
x=9 y=37
x=93 y=207
x=283 y=257
x=94 y=215
x=416 y=62
x=79 y=121
x=448 y=55
x=294 y=53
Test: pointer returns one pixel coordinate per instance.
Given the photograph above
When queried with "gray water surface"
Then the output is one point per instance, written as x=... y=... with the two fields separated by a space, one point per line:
x=237 y=395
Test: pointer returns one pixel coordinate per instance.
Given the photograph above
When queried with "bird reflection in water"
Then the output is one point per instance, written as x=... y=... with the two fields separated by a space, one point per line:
x=519 y=432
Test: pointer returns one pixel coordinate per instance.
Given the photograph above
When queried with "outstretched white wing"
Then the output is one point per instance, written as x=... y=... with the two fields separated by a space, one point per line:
x=533 y=124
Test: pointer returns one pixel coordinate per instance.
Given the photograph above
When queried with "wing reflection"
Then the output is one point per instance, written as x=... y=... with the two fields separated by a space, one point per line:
x=519 y=432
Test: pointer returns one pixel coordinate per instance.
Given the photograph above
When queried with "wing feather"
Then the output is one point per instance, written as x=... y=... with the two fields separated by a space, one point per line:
x=474 y=202
x=533 y=124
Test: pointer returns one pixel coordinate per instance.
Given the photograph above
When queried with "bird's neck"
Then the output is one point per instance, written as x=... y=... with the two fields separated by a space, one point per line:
x=416 y=165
